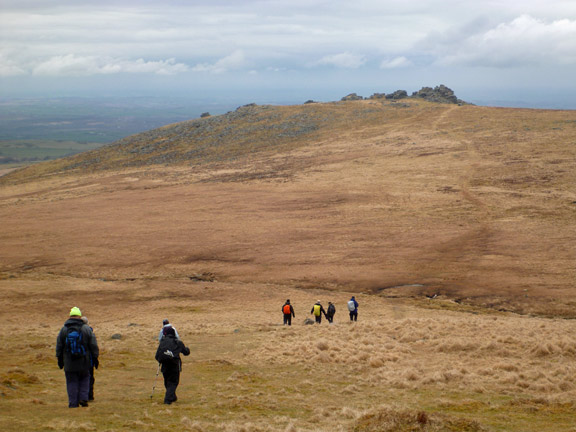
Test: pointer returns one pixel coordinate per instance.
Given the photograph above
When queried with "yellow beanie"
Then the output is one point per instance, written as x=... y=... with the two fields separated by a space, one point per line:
x=75 y=311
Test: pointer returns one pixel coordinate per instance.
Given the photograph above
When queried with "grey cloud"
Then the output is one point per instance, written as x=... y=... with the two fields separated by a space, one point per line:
x=520 y=42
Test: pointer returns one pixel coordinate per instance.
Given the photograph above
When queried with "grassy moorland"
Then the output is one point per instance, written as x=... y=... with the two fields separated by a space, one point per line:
x=469 y=370
x=213 y=223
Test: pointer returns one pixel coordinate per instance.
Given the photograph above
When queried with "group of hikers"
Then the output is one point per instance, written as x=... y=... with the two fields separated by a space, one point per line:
x=318 y=310
x=77 y=351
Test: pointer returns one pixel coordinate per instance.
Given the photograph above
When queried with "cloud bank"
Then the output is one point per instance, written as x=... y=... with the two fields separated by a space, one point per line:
x=297 y=42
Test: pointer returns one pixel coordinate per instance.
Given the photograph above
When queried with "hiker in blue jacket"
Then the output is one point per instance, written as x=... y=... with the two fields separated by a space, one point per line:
x=353 y=308
x=75 y=345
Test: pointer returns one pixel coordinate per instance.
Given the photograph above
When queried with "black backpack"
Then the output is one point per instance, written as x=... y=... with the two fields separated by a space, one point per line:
x=168 y=351
x=331 y=309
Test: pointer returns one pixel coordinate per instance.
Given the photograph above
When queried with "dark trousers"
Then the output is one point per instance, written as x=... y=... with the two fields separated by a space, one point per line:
x=353 y=315
x=77 y=385
x=330 y=318
x=92 y=380
x=287 y=319
x=318 y=319
x=171 y=374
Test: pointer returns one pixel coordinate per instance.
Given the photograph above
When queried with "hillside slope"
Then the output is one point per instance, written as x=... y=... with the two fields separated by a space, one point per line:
x=396 y=199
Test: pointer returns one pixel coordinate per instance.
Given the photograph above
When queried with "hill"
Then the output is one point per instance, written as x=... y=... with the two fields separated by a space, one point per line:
x=470 y=202
x=452 y=225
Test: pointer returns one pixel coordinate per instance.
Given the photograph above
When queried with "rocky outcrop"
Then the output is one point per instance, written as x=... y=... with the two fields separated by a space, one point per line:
x=352 y=97
x=378 y=96
x=397 y=95
x=440 y=94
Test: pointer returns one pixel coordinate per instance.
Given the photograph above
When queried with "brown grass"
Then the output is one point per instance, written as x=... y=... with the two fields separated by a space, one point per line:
x=473 y=203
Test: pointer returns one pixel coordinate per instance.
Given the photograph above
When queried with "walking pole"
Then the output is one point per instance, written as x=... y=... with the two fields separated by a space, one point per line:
x=154 y=386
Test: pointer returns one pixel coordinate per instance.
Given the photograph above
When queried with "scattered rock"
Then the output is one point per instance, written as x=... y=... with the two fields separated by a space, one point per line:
x=116 y=336
x=308 y=321
x=133 y=325
x=206 y=114
x=203 y=277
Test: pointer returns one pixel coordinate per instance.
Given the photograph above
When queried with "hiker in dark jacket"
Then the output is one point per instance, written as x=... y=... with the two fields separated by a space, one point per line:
x=168 y=355
x=93 y=365
x=288 y=312
x=353 y=308
x=330 y=312
x=75 y=345
x=318 y=311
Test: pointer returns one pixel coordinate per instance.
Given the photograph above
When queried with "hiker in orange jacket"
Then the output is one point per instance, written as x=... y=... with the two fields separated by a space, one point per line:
x=288 y=312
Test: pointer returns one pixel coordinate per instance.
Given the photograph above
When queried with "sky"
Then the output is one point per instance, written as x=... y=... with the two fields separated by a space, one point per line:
x=514 y=52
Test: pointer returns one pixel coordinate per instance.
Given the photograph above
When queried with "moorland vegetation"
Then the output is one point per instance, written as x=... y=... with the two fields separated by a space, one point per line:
x=452 y=225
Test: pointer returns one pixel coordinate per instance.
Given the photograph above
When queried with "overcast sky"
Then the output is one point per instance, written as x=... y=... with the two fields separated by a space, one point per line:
x=281 y=51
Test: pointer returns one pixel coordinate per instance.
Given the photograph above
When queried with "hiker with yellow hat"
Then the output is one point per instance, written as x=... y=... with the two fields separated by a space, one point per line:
x=75 y=347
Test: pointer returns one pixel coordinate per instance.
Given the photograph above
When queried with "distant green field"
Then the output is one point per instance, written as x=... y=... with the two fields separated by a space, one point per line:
x=26 y=151
x=33 y=130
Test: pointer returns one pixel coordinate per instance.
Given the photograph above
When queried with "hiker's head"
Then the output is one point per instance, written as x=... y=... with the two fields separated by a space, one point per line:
x=85 y=320
x=329 y=302
x=288 y=301
x=75 y=312
x=169 y=331
x=317 y=301
x=165 y=322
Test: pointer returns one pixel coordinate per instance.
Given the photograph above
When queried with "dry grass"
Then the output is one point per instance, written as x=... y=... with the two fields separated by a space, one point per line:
x=465 y=372
x=389 y=204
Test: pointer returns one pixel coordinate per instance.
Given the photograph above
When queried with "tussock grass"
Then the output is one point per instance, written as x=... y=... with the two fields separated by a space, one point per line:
x=248 y=372
x=391 y=420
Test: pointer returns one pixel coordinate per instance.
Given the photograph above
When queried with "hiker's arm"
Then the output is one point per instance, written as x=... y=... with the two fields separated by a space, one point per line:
x=60 y=351
x=59 y=345
x=184 y=349
x=292 y=310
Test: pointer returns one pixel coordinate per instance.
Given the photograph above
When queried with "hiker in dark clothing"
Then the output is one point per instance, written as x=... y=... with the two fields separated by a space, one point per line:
x=168 y=355
x=93 y=365
x=330 y=312
x=317 y=311
x=75 y=345
x=288 y=312
x=353 y=308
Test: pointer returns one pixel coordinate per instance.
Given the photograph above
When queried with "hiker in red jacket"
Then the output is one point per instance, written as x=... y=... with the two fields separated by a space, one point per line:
x=288 y=312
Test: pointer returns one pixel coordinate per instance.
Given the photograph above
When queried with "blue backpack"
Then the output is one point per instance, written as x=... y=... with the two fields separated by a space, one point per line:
x=74 y=344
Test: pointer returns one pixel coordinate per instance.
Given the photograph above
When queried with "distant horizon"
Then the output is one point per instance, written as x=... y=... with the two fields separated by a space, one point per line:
x=500 y=53
x=517 y=99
